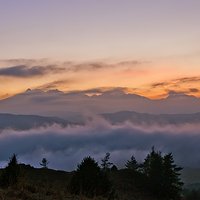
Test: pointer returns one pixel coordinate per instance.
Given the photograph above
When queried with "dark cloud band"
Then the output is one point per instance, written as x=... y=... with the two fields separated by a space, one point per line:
x=23 y=71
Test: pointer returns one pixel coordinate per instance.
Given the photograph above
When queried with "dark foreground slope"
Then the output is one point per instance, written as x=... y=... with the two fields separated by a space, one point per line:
x=47 y=184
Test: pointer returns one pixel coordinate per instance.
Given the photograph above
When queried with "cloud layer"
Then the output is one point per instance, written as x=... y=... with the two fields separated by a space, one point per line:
x=137 y=76
x=23 y=71
x=188 y=85
x=65 y=147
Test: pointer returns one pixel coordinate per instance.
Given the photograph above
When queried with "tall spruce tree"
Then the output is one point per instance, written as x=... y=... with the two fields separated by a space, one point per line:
x=172 y=184
x=153 y=169
x=163 y=176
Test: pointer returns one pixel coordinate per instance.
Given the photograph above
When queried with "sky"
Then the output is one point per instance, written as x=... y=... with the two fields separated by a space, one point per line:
x=146 y=47
x=108 y=50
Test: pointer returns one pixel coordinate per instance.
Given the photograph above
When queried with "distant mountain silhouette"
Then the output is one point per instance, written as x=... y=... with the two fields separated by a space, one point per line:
x=150 y=119
x=73 y=105
x=24 y=122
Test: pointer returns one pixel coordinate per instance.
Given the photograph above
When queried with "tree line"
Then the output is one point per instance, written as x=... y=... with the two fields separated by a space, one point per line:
x=157 y=175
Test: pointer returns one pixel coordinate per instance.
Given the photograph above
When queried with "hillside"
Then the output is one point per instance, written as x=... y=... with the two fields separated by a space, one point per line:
x=151 y=119
x=24 y=122
x=48 y=184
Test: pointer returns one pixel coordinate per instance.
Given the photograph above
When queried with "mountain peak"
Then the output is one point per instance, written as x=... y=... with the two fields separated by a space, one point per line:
x=32 y=91
x=56 y=91
x=28 y=90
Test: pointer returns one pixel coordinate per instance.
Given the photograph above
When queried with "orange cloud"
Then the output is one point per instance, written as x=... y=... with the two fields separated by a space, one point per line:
x=144 y=78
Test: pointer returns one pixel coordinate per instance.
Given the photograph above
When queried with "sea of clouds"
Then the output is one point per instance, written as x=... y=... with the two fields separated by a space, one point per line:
x=66 y=147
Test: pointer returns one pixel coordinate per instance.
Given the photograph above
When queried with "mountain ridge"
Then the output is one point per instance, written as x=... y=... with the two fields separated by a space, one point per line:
x=25 y=122
x=69 y=105
x=150 y=119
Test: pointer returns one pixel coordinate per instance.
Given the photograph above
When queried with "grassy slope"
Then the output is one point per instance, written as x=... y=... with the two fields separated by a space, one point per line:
x=47 y=184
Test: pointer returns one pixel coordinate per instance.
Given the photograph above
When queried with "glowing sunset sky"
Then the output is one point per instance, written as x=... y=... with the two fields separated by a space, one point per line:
x=147 y=47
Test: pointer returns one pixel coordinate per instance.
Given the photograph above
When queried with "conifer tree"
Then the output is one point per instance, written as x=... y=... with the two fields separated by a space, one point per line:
x=153 y=169
x=132 y=164
x=44 y=163
x=11 y=173
x=89 y=180
x=163 y=176
x=172 y=184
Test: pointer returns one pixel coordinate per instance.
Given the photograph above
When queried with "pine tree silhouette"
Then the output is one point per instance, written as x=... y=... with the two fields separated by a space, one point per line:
x=132 y=164
x=44 y=163
x=106 y=164
x=11 y=173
